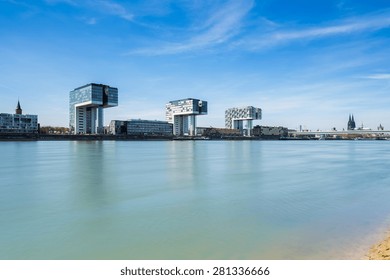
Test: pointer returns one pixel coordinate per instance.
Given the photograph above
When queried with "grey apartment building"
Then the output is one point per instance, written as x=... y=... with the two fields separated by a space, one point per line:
x=18 y=123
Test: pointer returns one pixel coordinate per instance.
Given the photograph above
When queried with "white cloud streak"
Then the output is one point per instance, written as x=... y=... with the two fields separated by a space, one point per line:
x=112 y=8
x=108 y=7
x=68 y=2
x=91 y=21
x=277 y=37
x=219 y=28
x=378 y=76
x=224 y=27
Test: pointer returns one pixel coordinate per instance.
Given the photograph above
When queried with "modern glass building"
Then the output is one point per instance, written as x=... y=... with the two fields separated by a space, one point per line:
x=141 y=127
x=235 y=117
x=18 y=123
x=146 y=127
x=118 y=127
x=86 y=106
x=182 y=114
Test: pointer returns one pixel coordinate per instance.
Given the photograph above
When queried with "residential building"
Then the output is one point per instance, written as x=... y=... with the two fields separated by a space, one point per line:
x=235 y=117
x=18 y=123
x=182 y=114
x=86 y=106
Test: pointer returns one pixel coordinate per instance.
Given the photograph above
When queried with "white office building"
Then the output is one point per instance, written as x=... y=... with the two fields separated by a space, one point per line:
x=182 y=114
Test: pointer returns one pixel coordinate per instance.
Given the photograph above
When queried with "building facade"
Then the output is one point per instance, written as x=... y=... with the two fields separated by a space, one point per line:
x=182 y=114
x=270 y=132
x=86 y=106
x=18 y=123
x=215 y=132
x=141 y=127
x=118 y=127
x=147 y=127
x=235 y=117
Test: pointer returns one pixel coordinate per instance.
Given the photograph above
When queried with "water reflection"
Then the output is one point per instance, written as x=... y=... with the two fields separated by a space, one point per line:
x=89 y=173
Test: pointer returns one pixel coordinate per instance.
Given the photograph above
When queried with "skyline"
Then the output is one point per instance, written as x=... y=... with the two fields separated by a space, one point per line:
x=302 y=63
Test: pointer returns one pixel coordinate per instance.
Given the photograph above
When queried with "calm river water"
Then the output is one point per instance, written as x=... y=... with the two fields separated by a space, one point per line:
x=192 y=200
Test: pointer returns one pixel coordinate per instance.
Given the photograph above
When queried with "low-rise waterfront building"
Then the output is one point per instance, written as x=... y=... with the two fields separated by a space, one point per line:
x=118 y=127
x=269 y=132
x=149 y=127
x=215 y=132
x=18 y=123
x=141 y=127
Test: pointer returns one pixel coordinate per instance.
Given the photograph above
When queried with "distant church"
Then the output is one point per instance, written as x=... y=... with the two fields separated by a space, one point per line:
x=18 y=110
x=351 y=123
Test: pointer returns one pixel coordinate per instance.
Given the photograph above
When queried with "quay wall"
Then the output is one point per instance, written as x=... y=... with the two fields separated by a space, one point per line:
x=81 y=137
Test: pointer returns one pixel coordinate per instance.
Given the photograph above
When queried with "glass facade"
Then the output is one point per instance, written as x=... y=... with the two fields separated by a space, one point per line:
x=86 y=105
x=146 y=127
x=118 y=127
x=141 y=127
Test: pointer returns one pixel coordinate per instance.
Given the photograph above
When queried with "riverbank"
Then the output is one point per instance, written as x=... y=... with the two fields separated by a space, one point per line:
x=106 y=137
x=381 y=250
x=77 y=137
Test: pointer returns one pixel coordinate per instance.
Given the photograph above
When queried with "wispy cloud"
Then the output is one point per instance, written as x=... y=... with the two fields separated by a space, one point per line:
x=112 y=8
x=285 y=35
x=108 y=7
x=383 y=76
x=91 y=21
x=218 y=28
x=69 y=2
x=225 y=26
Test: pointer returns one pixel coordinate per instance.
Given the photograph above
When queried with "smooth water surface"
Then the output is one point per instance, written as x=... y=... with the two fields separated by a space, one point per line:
x=192 y=200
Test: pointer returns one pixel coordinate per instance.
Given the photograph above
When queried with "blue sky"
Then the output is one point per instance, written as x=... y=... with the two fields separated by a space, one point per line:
x=308 y=63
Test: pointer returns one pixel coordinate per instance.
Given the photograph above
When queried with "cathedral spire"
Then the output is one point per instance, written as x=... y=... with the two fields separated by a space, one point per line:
x=353 y=124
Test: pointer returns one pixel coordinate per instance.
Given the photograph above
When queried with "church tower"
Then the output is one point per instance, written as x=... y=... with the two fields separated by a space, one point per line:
x=18 y=110
x=351 y=123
